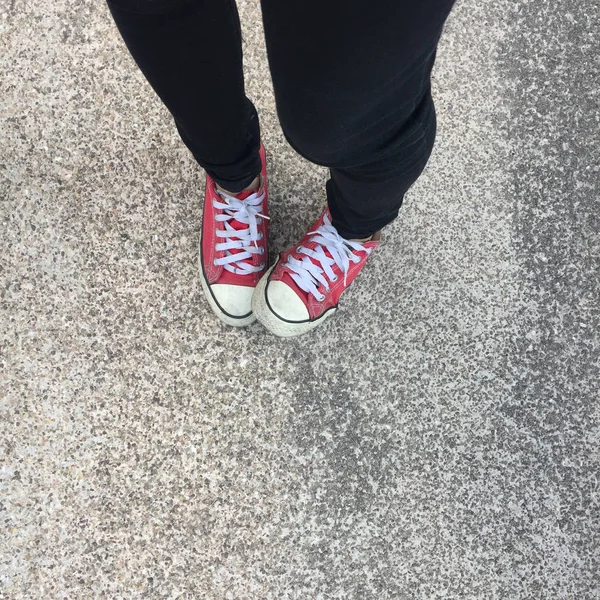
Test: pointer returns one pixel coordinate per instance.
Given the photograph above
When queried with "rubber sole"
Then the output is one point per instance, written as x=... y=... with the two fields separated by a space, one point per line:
x=268 y=319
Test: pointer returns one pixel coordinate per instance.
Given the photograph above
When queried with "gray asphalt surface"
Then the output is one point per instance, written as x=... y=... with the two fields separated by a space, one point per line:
x=437 y=439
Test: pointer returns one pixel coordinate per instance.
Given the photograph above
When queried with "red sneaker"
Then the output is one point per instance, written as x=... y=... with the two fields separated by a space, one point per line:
x=304 y=286
x=233 y=248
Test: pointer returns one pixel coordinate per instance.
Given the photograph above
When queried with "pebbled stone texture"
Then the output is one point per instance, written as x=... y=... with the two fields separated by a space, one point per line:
x=439 y=438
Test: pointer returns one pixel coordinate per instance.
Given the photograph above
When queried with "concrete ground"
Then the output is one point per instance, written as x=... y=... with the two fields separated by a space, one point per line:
x=438 y=438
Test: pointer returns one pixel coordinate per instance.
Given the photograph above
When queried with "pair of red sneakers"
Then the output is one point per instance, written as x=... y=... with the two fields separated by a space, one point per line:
x=299 y=291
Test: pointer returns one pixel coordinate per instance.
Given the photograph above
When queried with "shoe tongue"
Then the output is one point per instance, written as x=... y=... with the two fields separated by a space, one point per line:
x=287 y=278
x=241 y=226
x=245 y=194
x=313 y=246
x=241 y=196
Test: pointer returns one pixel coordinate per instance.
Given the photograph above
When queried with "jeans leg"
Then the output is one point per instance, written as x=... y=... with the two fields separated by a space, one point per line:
x=352 y=85
x=190 y=52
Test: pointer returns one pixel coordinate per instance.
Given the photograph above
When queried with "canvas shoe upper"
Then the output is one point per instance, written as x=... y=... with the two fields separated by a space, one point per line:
x=234 y=248
x=304 y=286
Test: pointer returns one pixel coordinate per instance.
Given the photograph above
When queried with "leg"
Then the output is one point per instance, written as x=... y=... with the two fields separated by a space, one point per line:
x=352 y=84
x=190 y=51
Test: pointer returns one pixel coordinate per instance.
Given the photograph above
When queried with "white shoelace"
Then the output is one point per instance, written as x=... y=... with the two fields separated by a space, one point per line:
x=245 y=211
x=309 y=275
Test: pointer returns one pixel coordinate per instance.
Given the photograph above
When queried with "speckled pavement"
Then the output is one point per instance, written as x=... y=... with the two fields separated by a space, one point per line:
x=437 y=439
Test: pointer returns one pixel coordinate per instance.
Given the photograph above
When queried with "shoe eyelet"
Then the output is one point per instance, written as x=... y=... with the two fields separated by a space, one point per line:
x=262 y=265
x=299 y=249
x=261 y=250
x=334 y=279
x=215 y=262
x=261 y=235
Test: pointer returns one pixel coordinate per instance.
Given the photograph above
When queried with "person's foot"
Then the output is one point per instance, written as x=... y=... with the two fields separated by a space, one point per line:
x=304 y=286
x=234 y=248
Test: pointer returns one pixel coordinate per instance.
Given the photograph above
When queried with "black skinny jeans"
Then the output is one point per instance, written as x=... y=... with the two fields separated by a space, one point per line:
x=351 y=80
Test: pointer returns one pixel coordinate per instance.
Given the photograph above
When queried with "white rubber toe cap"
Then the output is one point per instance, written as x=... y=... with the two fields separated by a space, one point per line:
x=285 y=302
x=235 y=300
